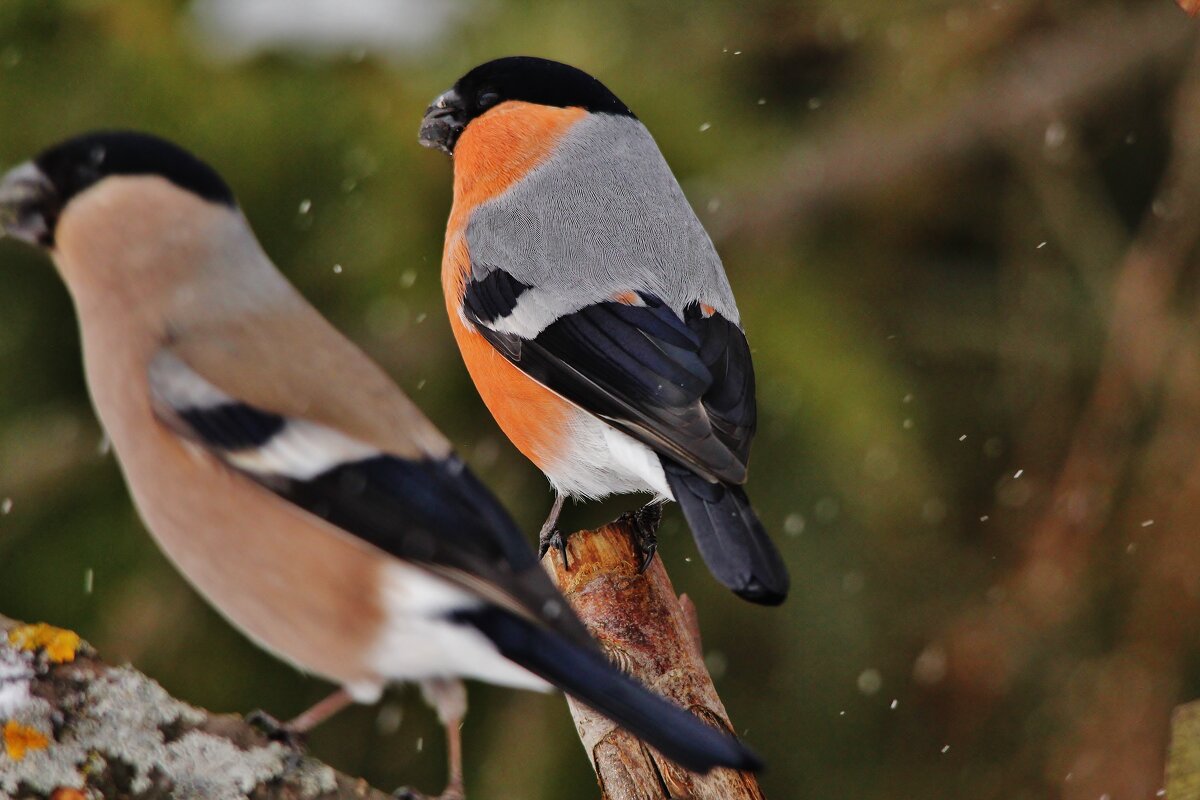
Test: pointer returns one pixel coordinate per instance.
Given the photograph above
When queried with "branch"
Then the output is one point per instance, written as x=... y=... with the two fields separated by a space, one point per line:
x=1062 y=74
x=72 y=726
x=652 y=635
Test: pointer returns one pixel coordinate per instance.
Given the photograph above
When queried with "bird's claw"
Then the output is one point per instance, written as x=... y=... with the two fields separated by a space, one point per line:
x=275 y=730
x=558 y=540
x=644 y=525
x=648 y=547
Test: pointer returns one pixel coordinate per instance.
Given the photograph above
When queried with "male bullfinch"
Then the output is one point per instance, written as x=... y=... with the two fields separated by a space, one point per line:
x=592 y=310
x=284 y=474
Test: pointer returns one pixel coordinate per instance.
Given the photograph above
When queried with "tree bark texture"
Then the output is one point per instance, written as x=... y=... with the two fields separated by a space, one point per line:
x=75 y=728
x=653 y=635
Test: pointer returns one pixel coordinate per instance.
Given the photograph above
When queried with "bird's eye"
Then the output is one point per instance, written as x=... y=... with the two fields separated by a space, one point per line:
x=487 y=98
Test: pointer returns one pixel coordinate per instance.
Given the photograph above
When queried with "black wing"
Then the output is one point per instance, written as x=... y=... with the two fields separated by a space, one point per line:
x=685 y=387
x=429 y=511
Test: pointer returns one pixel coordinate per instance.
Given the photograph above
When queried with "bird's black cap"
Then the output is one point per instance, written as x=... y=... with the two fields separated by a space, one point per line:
x=522 y=78
x=34 y=194
x=537 y=80
x=78 y=163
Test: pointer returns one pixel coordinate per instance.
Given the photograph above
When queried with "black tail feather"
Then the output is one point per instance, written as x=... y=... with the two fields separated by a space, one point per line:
x=587 y=675
x=730 y=537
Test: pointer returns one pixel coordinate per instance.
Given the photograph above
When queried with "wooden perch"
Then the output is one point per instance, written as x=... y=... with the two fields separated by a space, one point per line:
x=652 y=635
x=73 y=727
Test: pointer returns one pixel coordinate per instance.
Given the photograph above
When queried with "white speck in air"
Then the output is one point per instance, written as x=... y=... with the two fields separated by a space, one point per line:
x=945 y=749
x=337 y=269
x=421 y=384
x=104 y=446
x=705 y=126
x=930 y=666
x=814 y=103
x=907 y=424
x=962 y=438
x=793 y=524
x=89 y=580
x=908 y=398
x=869 y=681
x=388 y=720
x=714 y=205
x=6 y=505
x=1018 y=473
x=420 y=743
x=408 y=278
x=895 y=703
x=305 y=206
x=762 y=101
x=1043 y=244
x=1056 y=135
x=1146 y=523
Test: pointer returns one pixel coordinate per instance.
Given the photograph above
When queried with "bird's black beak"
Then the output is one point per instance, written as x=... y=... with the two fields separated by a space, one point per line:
x=443 y=123
x=26 y=200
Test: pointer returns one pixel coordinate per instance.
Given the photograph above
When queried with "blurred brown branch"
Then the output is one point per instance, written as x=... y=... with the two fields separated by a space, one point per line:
x=1048 y=76
x=1147 y=380
x=71 y=726
x=653 y=635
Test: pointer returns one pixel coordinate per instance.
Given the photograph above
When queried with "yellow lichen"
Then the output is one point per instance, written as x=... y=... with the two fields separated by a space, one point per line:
x=66 y=793
x=60 y=645
x=20 y=739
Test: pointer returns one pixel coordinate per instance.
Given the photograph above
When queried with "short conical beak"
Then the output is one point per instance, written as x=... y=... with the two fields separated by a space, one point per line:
x=443 y=123
x=25 y=197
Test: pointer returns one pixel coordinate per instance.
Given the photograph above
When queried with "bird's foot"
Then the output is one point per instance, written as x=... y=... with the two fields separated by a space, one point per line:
x=644 y=524
x=556 y=539
x=275 y=730
x=451 y=792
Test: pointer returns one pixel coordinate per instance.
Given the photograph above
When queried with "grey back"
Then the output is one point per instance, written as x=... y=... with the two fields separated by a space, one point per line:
x=603 y=215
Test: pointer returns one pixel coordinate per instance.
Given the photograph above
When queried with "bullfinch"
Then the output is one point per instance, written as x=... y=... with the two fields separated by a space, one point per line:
x=593 y=312
x=289 y=480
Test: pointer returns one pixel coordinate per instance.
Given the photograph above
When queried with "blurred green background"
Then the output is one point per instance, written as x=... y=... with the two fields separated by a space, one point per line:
x=963 y=237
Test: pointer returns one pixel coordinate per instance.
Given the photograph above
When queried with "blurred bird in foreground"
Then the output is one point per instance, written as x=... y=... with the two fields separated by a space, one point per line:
x=284 y=474
x=593 y=312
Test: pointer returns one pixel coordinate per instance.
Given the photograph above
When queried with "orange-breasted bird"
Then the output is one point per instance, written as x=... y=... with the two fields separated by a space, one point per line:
x=593 y=312
x=284 y=474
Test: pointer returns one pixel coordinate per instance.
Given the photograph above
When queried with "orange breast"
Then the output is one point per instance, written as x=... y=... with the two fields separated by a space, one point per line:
x=535 y=419
x=493 y=153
